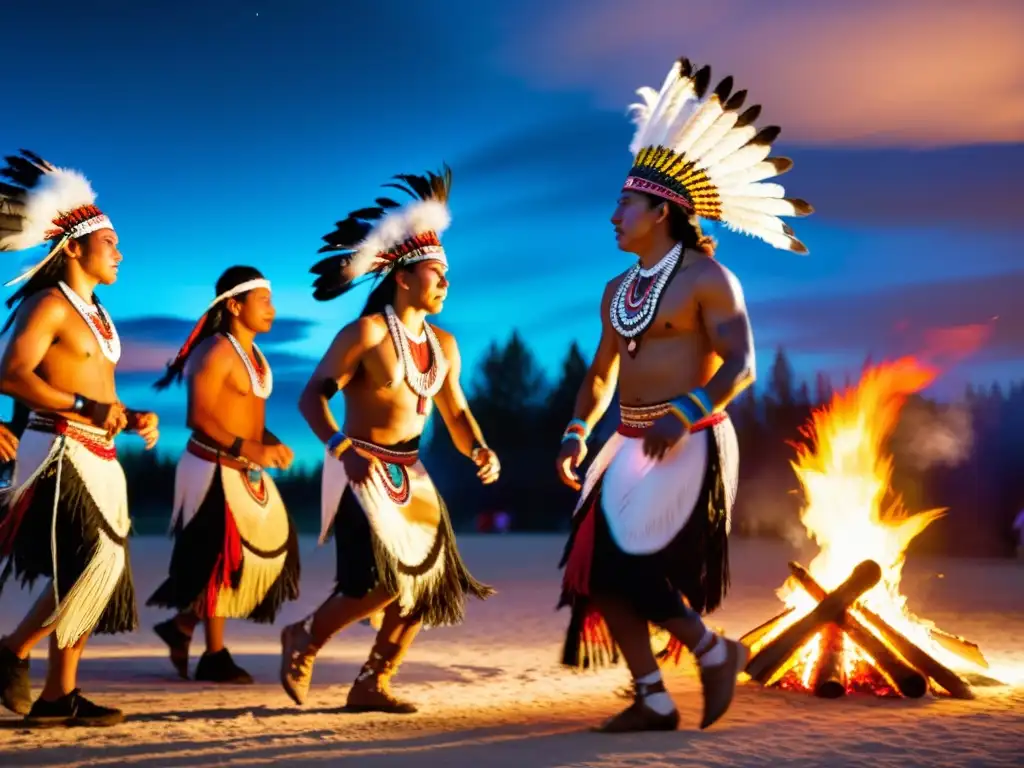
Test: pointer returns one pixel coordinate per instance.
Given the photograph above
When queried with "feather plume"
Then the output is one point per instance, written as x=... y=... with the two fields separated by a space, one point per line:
x=361 y=240
x=40 y=193
x=704 y=150
x=760 y=189
x=773 y=166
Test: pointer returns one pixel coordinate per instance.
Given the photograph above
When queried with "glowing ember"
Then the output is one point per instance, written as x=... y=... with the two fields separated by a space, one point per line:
x=851 y=513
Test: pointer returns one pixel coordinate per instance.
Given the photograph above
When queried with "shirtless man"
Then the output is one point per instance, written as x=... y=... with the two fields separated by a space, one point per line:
x=67 y=482
x=396 y=551
x=653 y=515
x=236 y=550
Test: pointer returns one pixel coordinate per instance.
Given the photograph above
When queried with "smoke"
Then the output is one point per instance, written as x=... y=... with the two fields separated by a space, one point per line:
x=930 y=435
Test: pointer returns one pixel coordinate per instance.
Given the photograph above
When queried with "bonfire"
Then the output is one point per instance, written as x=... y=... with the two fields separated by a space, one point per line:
x=846 y=626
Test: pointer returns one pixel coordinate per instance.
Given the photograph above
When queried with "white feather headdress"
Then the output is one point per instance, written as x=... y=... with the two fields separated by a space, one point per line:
x=44 y=204
x=699 y=151
x=375 y=240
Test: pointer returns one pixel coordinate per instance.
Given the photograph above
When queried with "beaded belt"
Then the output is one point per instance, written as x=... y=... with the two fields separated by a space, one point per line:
x=390 y=455
x=634 y=420
x=218 y=455
x=93 y=439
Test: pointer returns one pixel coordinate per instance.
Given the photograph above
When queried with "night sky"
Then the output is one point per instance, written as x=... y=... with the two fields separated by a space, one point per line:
x=227 y=132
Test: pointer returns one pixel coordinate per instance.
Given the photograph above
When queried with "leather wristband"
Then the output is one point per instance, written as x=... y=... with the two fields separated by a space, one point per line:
x=92 y=410
x=134 y=419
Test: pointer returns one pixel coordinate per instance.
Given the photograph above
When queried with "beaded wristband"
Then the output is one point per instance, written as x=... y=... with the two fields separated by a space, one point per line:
x=338 y=444
x=692 y=407
x=577 y=430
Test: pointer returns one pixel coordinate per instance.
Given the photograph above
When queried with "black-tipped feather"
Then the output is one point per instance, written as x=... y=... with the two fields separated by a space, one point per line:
x=735 y=101
x=749 y=116
x=352 y=230
x=701 y=81
x=802 y=207
x=685 y=67
x=36 y=159
x=25 y=171
x=782 y=164
x=403 y=188
x=723 y=89
x=9 y=190
x=767 y=135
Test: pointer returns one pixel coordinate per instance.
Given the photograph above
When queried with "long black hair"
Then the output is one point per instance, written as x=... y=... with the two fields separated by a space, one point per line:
x=217 y=320
x=683 y=227
x=47 y=277
x=383 y=292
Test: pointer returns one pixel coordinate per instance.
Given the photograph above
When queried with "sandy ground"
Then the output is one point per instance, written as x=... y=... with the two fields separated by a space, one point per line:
x=492 y=694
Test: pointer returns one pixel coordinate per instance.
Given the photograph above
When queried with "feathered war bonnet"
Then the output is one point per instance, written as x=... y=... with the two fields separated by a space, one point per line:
x=373 y=241
x=44 y=204
x=699 y=151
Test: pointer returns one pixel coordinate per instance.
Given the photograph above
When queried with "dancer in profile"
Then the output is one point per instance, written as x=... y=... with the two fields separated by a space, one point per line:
x=236 y=553
x=653 y=516
x=65 y=517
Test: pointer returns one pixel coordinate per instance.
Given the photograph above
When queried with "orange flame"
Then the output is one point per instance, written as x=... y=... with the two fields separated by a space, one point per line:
x=851 y=514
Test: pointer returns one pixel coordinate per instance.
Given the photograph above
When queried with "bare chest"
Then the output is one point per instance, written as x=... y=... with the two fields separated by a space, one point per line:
x=85 y=340
x=250 y=380
x=382 y=368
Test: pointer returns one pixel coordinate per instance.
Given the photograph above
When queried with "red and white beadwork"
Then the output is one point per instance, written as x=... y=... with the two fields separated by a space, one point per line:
x=99 y=323
x=261 y=378
x=395 y=480
x=427 y=383
x=253 y=480
x=635 y=302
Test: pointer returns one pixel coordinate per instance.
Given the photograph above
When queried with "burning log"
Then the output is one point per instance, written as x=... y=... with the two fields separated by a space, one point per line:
x=763 y=666
x=909 y=681
x=955 y=644
x=950 y=681
x=829 y=676
x=751 y=638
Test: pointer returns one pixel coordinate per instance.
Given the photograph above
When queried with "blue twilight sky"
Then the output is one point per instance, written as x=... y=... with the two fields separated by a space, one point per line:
x=238 y=131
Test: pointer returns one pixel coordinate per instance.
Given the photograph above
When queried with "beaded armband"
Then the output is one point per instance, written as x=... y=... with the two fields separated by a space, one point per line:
x=692 y=407
x=338 y=444
x=577 y=430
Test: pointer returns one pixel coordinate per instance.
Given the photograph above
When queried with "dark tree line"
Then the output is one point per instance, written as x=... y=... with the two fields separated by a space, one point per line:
x=963 y=456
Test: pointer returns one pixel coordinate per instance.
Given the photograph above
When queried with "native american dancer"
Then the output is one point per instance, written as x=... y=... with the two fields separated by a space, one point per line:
x=236 y=550
x=65 y=516
x=396 y=551
x=653 y=516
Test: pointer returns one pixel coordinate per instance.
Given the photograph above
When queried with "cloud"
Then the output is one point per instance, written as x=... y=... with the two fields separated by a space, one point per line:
x=149 y=342
x=140 y=357
x=980 y=186
x=980 y=319
x=174 y=330
x=913 y=73
x=575 y=163
x=147 y=360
